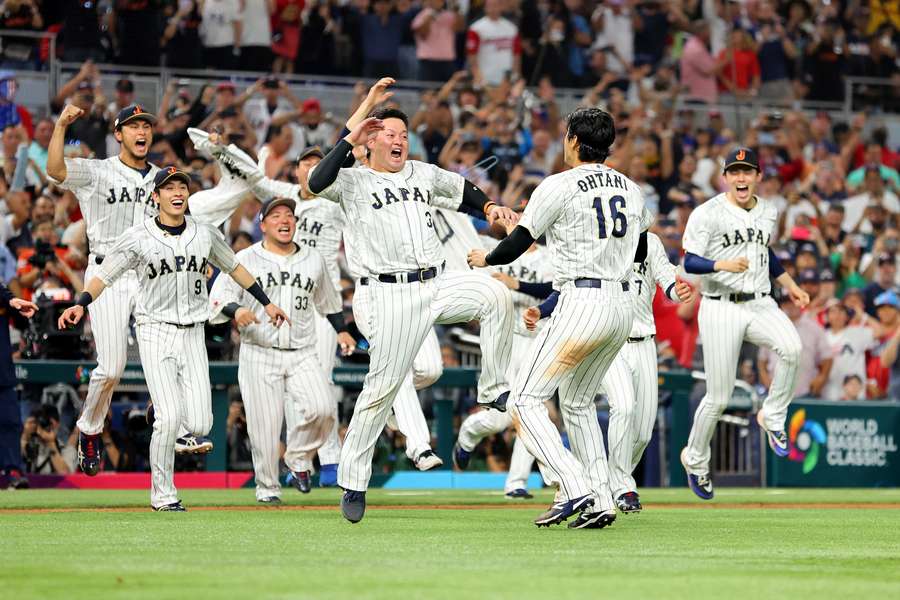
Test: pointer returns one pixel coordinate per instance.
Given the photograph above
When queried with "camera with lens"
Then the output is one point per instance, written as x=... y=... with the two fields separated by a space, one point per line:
x=44 y=339
x=44 y=252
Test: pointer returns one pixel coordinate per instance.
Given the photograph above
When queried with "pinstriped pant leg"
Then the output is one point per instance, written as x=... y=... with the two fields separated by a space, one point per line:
x=410 y=418
x=428 y=364
x=196 y=389
x=722 y=327
x=618 y=384
x=326 y=343
x=400 y=316
x=772 y=328
x=160 y=347
x=262 y=383
x=643 y=360
x=519 y=467
x=309 y=411
x=464 y=296
x=110 y=315
x=478 y=426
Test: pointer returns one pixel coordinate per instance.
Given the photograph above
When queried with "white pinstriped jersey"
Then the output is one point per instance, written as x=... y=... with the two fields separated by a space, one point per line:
x=592 y=216
x=655 y=270
x=391 y=215
x=112 y=197
x=720 y=230
x=458 y=235
x=320 y=225
x=171 y=269
x=299 y=283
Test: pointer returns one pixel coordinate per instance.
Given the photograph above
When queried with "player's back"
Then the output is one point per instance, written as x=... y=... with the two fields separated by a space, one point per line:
x=592 y=216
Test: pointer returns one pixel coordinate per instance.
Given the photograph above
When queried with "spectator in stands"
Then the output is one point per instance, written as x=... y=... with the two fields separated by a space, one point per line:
x=279 y=143
x=256 y=35
x=135 y=29
x=887 y=305
x=19 y=52
x=318 y=39
x=45 y=265
x=37 y=151
x=862 y=209
x=493 y=46
x=738 y=66
x=286 y=23
x=435 y=28
x=699 y=69
x=85 y=92
x=239 y=456
x=12 y=469
x=81 y=34
x=40 y=445
x=775 y=52
x=614 y=25
x=181 y=36
x=873 y=157
x=315 y=129
x=815 y=360
x=220 y=31
x=382 y=34
x=652 y=22
x=849 y=344
x=825 y=63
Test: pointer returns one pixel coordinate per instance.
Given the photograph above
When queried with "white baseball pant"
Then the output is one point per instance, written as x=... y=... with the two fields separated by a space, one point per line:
x=483 y=423
x=631 y=386
x=401 y=315
x=110 y=315
x=177 y=373
x=326 y=349
x=427 y=368
x=283 y=386
x=572 y=354
x=724 y=326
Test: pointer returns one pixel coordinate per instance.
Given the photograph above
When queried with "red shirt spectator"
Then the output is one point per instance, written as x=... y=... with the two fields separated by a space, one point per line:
x=740 y=69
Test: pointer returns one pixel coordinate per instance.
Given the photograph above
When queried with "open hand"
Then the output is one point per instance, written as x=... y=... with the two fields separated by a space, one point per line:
x=476 y=258
x=378 y=93
x=25 y=308
x=71 y=316
x=360 y=134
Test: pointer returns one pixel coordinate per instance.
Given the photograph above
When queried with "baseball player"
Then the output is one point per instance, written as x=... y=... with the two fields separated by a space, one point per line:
x=388 y=206
x=279 y=371
x=592 y=217
x=631 y=382
x=528 y=277
x=726 y=241
x=168 y=255
x=320 y=225
x=113 y=194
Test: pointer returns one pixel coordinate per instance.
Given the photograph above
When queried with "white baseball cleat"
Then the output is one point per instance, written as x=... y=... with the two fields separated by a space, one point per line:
x=191 y=444
x=428 y=460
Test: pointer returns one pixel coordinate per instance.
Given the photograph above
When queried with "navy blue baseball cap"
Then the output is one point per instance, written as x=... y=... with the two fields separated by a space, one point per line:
x=133 y=112
x=743 y=157
x=167 y=174
x=275 y=202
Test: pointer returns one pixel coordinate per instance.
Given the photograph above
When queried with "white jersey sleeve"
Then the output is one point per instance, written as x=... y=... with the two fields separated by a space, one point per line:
x=80 y=173
x=543 y=208
x=655 y=270
x=220 y=253
x=326 y=296
x=225 y=291
x=335 y=191
x=446 y=185
x=124 y=255
x=664 y=272
x=697 y=233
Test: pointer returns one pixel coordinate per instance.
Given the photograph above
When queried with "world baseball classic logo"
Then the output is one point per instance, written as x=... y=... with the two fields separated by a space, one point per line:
x=806 y=440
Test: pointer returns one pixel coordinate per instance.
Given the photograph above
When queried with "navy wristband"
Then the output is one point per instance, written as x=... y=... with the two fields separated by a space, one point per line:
x=257 y=292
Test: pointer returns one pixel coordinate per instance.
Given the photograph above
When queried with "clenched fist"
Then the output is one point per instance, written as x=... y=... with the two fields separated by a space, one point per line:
x=69 y=115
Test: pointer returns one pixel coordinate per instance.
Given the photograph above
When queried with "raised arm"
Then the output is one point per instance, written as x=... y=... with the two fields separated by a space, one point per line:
x=56 y=162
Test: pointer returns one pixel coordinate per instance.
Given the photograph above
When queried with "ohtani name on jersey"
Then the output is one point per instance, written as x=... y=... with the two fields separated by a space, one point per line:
x=182 y=263
x=596 y=180
x=390 y=197
x=746 y=236
x=284 y=278
x=140 y=195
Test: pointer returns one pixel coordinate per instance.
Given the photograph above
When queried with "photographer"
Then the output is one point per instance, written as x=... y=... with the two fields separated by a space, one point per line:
x=45 y=265
x=40 y=445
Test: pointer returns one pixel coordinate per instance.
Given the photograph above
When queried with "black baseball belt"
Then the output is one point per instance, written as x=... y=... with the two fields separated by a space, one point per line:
x=635 y=340
x=408 y=277
x=599 y=283
x=738 y=298
x=183 y=326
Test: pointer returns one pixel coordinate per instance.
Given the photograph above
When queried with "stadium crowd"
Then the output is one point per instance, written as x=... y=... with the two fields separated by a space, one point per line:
x=836 y=183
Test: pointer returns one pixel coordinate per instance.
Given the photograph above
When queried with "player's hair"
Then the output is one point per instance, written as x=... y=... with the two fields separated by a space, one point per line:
x=390 y=113
x=595 y=131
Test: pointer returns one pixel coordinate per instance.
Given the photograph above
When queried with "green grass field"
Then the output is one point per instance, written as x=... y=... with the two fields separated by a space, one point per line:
x=745 y=544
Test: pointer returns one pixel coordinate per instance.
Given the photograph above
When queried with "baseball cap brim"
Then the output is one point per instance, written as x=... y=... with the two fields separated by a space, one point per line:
x=144 y=116
x=275 y=203
x=310 y=151
x=180 y=175
x=741 y=163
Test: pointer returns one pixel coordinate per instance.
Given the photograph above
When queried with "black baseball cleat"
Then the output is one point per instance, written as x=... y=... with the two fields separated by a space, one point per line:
x=519 y=493
x=560 y=511
x=594 y=520
x=461 y=457
x=15 y=480
x=499 y=403
x=629 y=502
x=353 y=505
x=89 y=453
x=270 y=500
x=174 y=507
x=301 y=481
